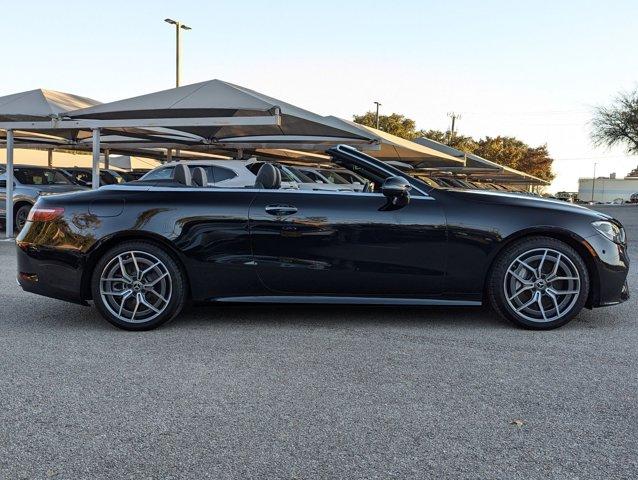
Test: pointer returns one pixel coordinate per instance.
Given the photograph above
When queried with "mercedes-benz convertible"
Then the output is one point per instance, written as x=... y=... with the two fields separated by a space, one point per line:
x=140 y=251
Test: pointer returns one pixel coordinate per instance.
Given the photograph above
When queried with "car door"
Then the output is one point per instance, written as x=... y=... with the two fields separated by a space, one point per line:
x=345 y=243
x=209 y=227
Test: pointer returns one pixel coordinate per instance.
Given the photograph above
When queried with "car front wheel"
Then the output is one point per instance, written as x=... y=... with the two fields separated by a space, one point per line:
x=539 y=283
x=138 y=286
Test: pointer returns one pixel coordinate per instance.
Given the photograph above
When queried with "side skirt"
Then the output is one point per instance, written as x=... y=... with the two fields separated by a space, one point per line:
x=348 y=300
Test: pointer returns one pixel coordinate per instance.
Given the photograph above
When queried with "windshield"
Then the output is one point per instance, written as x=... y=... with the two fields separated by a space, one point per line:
x=334 y=177
x=303 y=178
x=40 y=176
x=287 y=175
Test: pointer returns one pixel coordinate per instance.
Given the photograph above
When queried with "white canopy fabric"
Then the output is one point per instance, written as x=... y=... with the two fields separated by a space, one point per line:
x=40 y=104
x=216 y=98
x=479 y=166
x=400 y=149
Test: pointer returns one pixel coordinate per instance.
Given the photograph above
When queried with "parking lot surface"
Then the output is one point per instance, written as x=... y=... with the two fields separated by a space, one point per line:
x=316 y=392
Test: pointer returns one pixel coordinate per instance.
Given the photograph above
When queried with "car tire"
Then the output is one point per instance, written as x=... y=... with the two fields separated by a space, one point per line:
x=538 y=283
x=138 y=285
x=20 y=218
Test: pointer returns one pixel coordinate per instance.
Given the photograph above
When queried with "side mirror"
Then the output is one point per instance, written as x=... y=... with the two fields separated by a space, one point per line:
x=397 y=191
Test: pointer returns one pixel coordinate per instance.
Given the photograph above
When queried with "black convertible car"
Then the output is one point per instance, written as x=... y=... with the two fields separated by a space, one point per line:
x=140 y=250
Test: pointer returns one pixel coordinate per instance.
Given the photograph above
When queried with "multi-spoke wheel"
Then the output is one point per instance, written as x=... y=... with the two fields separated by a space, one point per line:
x=539 y=282
x=21 y=216
x=138 y=286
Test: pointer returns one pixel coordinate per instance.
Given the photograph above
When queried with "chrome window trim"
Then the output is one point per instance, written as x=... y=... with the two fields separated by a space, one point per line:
x=250 y=190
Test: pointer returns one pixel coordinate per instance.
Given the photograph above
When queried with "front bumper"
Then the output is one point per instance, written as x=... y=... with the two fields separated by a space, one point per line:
x=611 y=266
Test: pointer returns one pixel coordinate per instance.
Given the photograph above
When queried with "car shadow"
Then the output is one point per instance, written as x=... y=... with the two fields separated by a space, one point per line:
x=60 y=315
x=55 y=314
x=277 y=315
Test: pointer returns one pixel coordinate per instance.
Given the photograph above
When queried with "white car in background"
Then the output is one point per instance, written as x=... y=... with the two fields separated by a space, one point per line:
x=242 y=173
x=220 y=173
x=295 y=175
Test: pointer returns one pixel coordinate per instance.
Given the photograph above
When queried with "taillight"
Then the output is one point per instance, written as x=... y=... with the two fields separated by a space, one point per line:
x=43 y=214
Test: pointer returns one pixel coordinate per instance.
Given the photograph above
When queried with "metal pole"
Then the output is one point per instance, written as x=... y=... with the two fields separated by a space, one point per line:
x=169 y=154
x=453 y=116
x=107 y=152
x=593 y=183
x=178 y=27
x=95 y=180
x=50 y=158
x=9 y=189
x=377 y=115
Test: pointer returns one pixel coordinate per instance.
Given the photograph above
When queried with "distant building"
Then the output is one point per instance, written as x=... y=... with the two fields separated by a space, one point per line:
x=604 y=189
x=633 y=173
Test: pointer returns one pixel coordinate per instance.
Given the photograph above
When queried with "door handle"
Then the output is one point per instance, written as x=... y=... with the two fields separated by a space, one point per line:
x=280 y=210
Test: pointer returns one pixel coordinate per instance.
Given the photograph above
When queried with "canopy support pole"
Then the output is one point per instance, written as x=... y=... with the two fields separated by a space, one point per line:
x=107 y=153
x=169 y=154
x=96 y=159
x=9 y=188
x=50 y=157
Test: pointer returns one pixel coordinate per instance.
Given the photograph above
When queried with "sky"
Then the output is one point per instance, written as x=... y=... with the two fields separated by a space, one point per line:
x=534 y=70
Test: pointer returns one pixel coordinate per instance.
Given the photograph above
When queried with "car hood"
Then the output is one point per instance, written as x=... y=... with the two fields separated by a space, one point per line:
x=520 y=200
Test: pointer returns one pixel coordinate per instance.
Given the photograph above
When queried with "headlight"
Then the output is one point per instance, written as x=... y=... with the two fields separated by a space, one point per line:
x=612 y=231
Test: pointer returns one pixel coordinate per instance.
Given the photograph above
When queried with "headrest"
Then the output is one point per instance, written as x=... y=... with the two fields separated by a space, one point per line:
x=200 y=179
x=268 y=177
x=182 y=174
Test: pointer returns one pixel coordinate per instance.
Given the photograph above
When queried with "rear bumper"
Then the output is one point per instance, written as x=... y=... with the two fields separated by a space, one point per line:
x=611 y=263
x=49 y=272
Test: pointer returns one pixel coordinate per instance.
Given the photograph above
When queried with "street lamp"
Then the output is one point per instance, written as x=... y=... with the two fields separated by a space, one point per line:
x=178 y=26
x=377 y=115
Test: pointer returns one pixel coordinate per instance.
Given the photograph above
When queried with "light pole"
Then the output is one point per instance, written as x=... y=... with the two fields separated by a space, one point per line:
x=454 y=117
x=377 y=115
x=178 y=26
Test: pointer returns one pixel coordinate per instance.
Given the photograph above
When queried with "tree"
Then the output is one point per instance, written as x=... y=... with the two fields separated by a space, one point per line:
x=508 y=151
x=460 y=142
x=617 y=124
x=395 y=124
x=514 y=153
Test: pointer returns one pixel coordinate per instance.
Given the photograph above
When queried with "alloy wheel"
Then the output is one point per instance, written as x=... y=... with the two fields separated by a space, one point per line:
x=542 y=285
x=21 y=218
x=135 y=286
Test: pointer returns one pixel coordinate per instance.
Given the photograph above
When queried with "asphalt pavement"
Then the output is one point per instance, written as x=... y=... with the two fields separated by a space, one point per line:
x=316 y=392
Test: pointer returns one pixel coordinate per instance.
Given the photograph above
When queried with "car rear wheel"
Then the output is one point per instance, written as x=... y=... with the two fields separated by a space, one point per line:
x=21 y=216
x=138 y=286
x=539 y=283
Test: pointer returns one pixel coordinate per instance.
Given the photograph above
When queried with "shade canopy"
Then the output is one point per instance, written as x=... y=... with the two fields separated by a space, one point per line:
x=400 y=149
x=216 y=98
x=480 y=167
x=38 y=105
